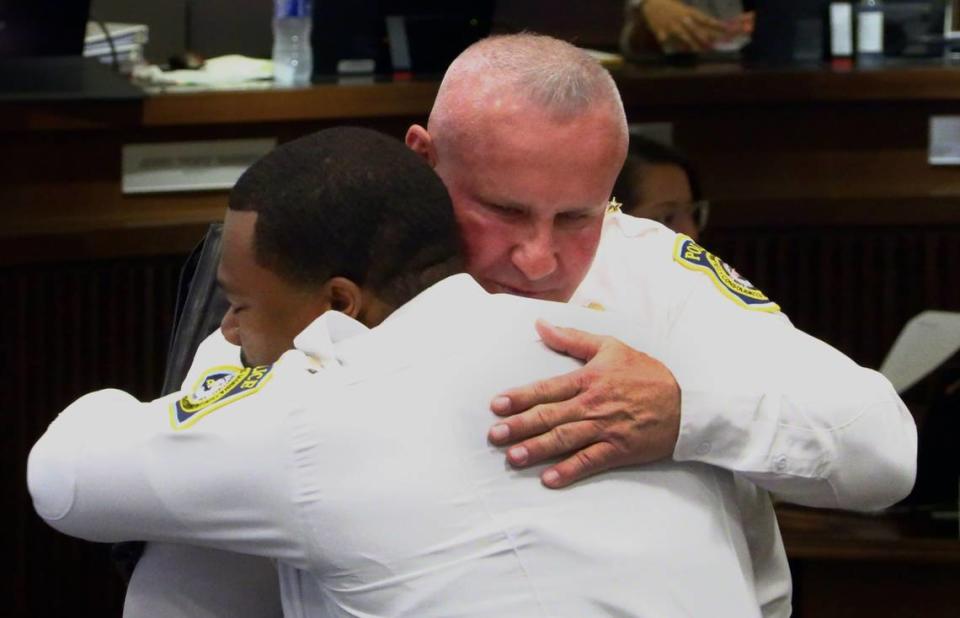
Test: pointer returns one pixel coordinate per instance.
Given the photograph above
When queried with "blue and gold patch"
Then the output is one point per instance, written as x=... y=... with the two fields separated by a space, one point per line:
x=216 y=388
x=691 y=255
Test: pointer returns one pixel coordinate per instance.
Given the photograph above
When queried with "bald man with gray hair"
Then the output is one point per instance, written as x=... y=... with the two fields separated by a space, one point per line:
x=552 y=76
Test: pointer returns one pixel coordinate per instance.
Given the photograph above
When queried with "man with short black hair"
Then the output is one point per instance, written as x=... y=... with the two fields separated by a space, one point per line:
x=290 y=208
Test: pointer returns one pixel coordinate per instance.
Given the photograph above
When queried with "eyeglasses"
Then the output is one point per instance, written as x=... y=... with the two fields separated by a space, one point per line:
x=667 y=213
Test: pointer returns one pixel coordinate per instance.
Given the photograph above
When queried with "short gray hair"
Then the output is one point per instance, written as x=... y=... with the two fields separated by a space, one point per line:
x=553 y=74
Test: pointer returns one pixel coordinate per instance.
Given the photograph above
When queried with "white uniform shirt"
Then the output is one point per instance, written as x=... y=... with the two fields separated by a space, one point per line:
x=373 y=478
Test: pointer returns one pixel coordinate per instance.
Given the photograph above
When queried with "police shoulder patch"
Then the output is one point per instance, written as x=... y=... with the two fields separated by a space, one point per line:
x=216 y=388
x=691 y=255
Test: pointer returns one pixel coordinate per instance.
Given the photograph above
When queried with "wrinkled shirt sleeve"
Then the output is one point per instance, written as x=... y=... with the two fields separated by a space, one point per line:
x=786 y=410
x=111 y=468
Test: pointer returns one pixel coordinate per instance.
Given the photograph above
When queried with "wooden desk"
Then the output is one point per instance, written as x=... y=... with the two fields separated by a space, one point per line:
x=847 y=564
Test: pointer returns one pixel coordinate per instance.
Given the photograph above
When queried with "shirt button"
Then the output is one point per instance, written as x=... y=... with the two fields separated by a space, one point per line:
x=780 y=464
x=703 y=448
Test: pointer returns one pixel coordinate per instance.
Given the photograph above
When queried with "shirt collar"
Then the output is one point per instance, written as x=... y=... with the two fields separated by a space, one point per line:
x=320 y=338
x=426 y=326
x=333 y=338
x=439 y=303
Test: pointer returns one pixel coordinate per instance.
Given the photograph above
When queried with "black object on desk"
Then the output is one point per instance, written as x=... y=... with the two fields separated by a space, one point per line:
x=787 y=32
x=386 y=36
x=42 y=27
x=63 y=78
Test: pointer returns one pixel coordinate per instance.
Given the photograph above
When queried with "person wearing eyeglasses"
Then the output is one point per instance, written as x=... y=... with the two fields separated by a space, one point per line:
x=657 y=182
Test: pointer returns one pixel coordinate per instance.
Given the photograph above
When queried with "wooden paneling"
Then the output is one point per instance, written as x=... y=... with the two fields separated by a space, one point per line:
x=850 y=589
x=71 y=329
x=854 y=287
x=851 y=564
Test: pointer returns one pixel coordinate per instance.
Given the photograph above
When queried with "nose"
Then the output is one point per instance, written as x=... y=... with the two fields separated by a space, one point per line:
x=230 y=328
x=535 y=256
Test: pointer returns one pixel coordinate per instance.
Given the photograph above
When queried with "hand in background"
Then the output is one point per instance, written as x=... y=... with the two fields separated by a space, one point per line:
x=679 y=26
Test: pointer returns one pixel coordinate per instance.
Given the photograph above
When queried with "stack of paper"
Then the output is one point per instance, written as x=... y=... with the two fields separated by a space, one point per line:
x=231 y=71
x=128 y=41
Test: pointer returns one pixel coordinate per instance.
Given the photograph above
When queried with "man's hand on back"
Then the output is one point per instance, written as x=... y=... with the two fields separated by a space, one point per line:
x=621 y=408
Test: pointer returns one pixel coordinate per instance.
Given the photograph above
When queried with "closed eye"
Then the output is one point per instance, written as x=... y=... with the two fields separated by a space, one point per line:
x=509 y=211
x=577 y=217
x=504 y=210
x=235 y=308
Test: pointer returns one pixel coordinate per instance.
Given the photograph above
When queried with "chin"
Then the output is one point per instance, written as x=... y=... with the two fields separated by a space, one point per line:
x=551 y=294
x=257 y=360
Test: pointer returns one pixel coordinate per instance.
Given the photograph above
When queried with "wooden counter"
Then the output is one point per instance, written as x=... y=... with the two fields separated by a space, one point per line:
x=890 y=565
x=801 y=146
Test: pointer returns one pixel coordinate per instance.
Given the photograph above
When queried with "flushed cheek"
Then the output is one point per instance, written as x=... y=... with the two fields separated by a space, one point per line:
x=578 y=250
x=485 y=243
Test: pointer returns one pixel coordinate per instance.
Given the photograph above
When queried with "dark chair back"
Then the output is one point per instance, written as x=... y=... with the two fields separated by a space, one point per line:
x=201 y=306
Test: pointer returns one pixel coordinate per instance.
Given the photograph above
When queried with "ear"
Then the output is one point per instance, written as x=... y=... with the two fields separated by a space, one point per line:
x=420 y=141
x=344 y=296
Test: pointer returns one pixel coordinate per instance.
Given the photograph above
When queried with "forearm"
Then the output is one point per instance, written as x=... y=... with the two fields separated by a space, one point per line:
x=69 y=475
x=112 y=469
x=849 y=455
x=797 y=417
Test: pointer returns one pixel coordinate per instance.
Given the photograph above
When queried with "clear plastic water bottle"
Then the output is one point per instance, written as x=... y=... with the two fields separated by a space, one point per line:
x=292 y=56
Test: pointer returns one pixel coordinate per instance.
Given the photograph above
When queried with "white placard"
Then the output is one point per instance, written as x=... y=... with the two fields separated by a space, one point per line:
x=944 y=146
x=189 y=166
